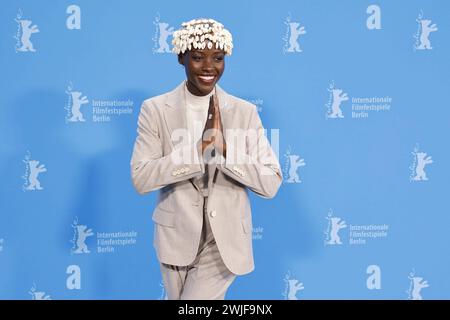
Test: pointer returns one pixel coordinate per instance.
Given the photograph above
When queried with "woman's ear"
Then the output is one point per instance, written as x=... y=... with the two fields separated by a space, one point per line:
x=180 y=58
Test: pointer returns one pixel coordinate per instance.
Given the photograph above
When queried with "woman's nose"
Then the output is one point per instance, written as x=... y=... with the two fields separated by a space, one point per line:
x=207 y=64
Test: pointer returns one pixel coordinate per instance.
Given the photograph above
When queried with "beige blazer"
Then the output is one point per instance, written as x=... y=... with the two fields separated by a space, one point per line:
x=164 y=159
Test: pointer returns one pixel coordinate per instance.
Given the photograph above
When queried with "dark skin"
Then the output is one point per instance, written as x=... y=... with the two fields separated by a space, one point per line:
x=211 y=62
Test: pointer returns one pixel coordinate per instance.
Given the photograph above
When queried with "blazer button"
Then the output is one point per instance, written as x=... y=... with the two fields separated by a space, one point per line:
x=213 y=214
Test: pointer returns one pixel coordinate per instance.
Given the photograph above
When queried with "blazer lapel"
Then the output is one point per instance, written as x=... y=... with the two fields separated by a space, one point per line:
x=175 y=109
x=225 y=108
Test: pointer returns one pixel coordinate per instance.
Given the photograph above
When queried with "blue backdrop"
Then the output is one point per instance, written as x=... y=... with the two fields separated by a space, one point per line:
x=357 y=89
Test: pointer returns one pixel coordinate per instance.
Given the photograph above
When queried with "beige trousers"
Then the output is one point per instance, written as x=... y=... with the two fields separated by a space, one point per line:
x=206 y=278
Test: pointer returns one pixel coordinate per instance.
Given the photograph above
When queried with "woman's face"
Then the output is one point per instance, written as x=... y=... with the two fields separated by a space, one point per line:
x=203 y=69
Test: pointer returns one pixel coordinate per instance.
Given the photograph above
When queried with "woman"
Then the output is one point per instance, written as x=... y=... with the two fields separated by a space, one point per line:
x=202 y=148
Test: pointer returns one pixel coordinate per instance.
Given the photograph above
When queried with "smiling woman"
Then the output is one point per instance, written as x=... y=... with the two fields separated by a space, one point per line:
x=203 y=68
x=203 y=225
x=201 y=47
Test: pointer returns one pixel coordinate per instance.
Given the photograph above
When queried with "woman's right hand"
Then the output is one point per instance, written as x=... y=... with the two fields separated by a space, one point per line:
x=212 y=137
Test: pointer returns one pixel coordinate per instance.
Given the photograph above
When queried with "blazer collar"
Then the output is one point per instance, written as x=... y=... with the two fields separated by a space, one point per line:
x=175 y=108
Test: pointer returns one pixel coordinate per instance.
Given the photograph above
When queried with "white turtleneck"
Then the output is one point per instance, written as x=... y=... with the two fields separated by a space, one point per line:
x=196 y=113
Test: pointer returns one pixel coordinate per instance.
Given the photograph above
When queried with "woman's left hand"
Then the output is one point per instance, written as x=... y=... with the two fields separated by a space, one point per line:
x=219 y=141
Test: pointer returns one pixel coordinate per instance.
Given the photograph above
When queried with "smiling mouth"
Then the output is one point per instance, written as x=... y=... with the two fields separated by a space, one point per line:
x=207 y=79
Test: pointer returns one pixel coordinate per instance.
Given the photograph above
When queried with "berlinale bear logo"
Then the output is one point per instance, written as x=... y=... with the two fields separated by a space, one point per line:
x=23 y=35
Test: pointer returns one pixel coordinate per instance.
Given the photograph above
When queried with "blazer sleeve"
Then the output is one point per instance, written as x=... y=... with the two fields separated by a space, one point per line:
x=150 y=168
x=251 y=161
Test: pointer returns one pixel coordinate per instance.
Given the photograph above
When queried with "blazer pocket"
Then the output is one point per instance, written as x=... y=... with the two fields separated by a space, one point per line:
x=247 y=224
x=164 y=218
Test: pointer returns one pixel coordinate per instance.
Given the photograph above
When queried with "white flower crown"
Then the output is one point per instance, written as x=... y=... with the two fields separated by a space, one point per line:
x=196 y=33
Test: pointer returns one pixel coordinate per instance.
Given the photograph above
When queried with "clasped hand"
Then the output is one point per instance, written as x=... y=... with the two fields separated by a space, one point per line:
x=212 y=137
